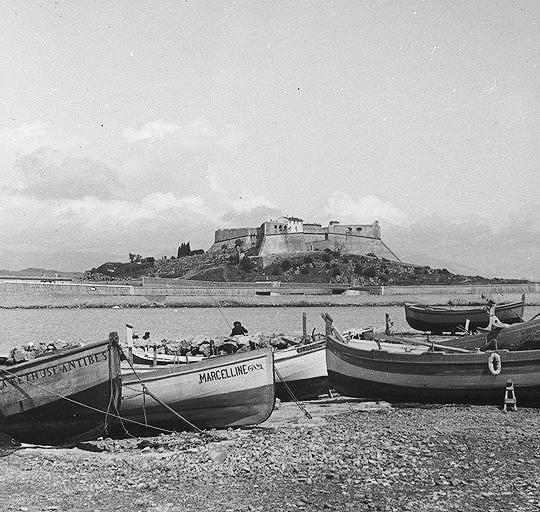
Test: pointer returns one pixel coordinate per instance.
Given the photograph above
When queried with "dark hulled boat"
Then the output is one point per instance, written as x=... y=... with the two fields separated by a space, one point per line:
x=66 y=397
x=399 y=373
x=437 y=319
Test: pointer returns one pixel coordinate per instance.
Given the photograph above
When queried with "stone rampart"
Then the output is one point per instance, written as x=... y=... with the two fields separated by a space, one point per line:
x=479 y=290
x=292 y=243
x=64 y=288
x=227 y=234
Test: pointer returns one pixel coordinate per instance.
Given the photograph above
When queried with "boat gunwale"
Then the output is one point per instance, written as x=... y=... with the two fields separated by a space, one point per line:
x=55 y=356
x=169 y=371
x=438 y=310
x=509 y=356
x=287 y=357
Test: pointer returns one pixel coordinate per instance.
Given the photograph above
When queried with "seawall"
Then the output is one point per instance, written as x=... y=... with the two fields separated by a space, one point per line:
x=172 y=293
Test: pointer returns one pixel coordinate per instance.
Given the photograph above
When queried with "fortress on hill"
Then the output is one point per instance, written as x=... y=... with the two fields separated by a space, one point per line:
x=289 y=235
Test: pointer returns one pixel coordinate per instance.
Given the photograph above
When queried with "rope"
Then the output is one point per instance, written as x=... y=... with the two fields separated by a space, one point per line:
x=90 y=407
x=287 y=388
x=159 y=401
x=223 y=315
x=291 y=394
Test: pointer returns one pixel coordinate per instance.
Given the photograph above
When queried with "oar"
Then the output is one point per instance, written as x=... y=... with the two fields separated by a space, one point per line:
x=395 y=339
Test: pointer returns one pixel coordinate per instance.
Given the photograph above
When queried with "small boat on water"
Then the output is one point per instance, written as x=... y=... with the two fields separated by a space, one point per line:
x=438 y=319
x=401 y=372
x=65 y=397
x=218 y=392
x=302 y=371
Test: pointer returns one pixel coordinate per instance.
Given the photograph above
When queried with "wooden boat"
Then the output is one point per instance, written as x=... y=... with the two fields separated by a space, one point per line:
x=217 y=392
x=445 y=319
x=146 y=356
x=399 y=375
x=302 y=370
x=522 y=336
x=66 y=397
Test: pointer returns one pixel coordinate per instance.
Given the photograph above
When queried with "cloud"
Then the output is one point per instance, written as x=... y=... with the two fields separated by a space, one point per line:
x=364 y=210
x=247 y=201
x=149 y=131
x=180 y=159
x=166 y=204
x=475 y=245
x=26 y=139
x=49 y=174
x=33 y=229
x=196 y=135
x=241 y=207
x=29 y=137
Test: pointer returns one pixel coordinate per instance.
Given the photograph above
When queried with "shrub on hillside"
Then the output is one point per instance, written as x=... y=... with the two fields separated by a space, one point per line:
x=370 y=272
x=246 y=264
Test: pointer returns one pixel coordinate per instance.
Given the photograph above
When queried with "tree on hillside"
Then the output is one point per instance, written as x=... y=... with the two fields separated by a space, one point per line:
x=184 y=250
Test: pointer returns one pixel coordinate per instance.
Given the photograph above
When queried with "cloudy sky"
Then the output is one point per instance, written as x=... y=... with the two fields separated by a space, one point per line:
x=133 y=126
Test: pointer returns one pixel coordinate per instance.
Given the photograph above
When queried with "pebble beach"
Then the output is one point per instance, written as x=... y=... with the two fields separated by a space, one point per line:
x=350 y=455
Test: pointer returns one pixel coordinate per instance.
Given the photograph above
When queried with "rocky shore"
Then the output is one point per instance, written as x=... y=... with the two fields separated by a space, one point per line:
x=351 y=455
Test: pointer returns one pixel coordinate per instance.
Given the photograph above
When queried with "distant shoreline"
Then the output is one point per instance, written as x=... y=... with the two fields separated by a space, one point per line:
x=13 y=301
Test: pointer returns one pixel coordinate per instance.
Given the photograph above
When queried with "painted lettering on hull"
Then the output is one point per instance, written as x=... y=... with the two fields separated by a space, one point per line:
x=229 y=372
x=49 y=371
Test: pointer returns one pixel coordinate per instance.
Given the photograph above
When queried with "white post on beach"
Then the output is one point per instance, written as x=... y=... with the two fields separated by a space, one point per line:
x=129 y=342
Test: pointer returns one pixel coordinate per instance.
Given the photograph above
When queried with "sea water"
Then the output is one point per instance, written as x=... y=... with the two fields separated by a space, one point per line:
x=22 y=326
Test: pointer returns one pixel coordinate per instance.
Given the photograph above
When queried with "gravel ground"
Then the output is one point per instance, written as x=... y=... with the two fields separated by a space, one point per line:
x=351 y=455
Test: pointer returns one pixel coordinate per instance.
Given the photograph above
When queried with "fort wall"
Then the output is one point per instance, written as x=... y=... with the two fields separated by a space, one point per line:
x=292 y=243
x=289 y=235
x=227 y=234
x=229 y=238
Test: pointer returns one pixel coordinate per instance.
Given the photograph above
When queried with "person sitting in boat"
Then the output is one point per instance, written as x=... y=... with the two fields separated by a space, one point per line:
x=238 y=329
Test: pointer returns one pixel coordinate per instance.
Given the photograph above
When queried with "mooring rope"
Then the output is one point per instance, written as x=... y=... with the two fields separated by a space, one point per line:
x=90 y=407
x=159 y=401
x=291 y=394
x=286 y=386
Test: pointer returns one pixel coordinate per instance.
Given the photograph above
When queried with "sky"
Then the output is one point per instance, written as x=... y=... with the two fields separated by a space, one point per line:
x=134 y=126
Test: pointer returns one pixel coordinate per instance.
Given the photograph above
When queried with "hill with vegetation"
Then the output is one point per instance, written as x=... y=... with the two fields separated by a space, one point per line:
x=313 y=267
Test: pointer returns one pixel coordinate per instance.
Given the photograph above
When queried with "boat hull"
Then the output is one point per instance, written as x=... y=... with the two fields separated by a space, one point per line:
x=439 y=320
x=141 y=356
x=432 y=377
x=62 y=398
x=218 y=392
x=303 y=369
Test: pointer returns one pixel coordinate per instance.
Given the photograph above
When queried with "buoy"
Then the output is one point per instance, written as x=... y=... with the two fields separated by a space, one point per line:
x=494 y=363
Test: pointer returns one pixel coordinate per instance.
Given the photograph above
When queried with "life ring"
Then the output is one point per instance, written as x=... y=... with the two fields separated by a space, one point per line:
x=494 y=363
